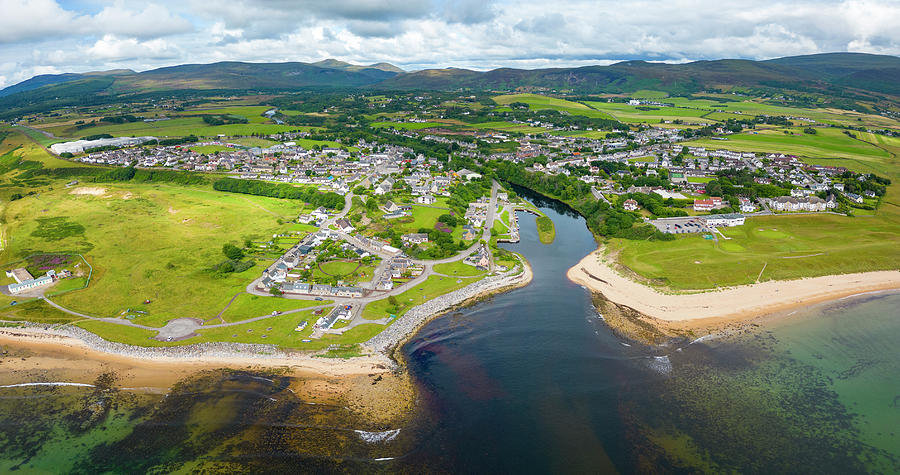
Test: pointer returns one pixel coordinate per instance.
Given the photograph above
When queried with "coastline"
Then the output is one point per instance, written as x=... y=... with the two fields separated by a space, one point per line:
x=35 y=352
x=705 y=310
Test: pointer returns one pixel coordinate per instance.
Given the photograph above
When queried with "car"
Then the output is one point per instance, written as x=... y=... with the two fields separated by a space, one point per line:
x=319 y=298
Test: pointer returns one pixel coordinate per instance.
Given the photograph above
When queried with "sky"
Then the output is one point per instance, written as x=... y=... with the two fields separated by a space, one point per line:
x=55 y=36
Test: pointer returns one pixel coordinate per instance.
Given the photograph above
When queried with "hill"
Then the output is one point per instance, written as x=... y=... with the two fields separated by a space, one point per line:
x=867 y=72
x=853 y=76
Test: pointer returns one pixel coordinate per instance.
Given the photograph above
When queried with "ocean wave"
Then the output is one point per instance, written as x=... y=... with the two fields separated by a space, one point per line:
x=22 y=385
x=660 y=364
x=375 y=437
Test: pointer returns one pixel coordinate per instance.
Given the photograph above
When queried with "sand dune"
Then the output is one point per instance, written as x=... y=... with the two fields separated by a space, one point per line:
x=747 y=301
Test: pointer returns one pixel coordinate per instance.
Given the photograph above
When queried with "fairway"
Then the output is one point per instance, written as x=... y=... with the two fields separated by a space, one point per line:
x=790 y=247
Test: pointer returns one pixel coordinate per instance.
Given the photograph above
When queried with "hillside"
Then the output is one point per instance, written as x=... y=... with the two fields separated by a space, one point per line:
x=853 y=76
x=867 y=72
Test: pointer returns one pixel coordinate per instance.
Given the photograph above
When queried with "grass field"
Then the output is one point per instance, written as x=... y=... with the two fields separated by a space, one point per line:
x=539 y=102
x=406 y=125
x=247 y=306
x=826 y=144
x=431 y=288
x=458 y=269
x=631 y=114
x=831 y=245
x=423 y=217
x=144 y=241
x=177 y=127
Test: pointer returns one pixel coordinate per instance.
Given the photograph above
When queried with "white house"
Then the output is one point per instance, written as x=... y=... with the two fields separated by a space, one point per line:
x=715 y=220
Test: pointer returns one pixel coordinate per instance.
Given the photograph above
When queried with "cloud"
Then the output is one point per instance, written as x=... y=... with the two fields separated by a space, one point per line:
x=477 y=34
x=113 y=49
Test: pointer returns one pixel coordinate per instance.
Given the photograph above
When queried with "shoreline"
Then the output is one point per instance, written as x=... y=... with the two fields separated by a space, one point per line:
x=707 y=309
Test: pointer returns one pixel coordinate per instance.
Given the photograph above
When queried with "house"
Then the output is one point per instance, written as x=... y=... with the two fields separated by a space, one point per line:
x=415 y=238
x=426 y=199
x=730 y=219
x=747 y=205
x=31 y=283
x=468 y=233
x=344 y=225
x=854 y=197
x=631 y=205
x=391 y=207
x=711 y=203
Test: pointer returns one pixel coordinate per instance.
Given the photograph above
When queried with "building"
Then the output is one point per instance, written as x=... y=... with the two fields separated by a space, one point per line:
x=747 y=205
x=731 y=219
x=415 y=238
x=709 y=204
x=31 y=284
x=426 y=199
x=344 y=225
x=631 y=205
x=468 y=174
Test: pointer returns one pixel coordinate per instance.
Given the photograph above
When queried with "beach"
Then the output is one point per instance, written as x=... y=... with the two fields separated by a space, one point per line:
x=33 y=355
x=702 y=309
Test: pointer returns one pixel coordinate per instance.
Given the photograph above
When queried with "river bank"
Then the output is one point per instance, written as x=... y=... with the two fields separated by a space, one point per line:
x=707 y=311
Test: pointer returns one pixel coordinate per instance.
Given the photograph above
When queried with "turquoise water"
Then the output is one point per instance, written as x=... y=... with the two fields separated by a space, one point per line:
x=530 y=381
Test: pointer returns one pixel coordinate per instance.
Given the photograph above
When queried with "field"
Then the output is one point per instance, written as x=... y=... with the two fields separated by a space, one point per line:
x=406 y=125
x=178 y=127
x=539 y=102
x=458 y=269
x=789 y=247
x=431 y=288
x=631 y=114
x=825 y=145
x=145 y=241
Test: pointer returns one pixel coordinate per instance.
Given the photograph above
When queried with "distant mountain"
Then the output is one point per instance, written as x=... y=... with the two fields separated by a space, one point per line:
x=836 y=74
x=50 y=79
x=876 y=73
x=336 y=64
x=224 y=75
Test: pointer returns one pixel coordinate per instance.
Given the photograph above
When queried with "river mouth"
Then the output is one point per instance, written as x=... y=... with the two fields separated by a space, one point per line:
x=532 y=380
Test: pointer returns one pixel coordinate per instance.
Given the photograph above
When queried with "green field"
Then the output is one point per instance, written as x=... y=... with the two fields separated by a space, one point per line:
x=826 y=144
x=539 y=102
x=178 y=127
x=631 y=114
x=830 y=245
x=458 y=269
x=406 y=125
x=144 y=241
x=431 y=288
x=247 y=306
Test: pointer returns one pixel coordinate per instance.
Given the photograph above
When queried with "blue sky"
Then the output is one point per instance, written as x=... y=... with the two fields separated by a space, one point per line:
x=52 y=36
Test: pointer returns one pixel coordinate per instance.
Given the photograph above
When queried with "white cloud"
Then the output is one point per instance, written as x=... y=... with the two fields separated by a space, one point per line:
x=113 y=49
x=478 y=34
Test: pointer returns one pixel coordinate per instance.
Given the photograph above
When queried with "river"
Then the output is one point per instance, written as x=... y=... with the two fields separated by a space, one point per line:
x=529 y=381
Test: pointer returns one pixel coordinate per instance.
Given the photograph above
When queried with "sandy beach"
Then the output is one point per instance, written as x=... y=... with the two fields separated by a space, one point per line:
x=702 y=308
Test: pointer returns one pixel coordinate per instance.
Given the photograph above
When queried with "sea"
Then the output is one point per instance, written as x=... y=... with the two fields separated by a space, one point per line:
x=529 y=381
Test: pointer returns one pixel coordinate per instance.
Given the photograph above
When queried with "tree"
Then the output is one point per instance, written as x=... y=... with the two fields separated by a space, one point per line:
x=232 y=252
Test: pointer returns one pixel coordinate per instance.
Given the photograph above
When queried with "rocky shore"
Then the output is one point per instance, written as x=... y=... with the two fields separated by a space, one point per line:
x=407 y=324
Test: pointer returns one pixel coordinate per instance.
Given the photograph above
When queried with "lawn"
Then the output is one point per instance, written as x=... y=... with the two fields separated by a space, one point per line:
x=431 y=288
x=338 y=268
x=458 y=269
x=834 y=244
x=538 y=102
x=423 y=217
x=208 y=149
x=247 y=306
x=146 y=241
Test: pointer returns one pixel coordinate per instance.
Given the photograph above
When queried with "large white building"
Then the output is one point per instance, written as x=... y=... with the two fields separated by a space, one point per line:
x=716 y=220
